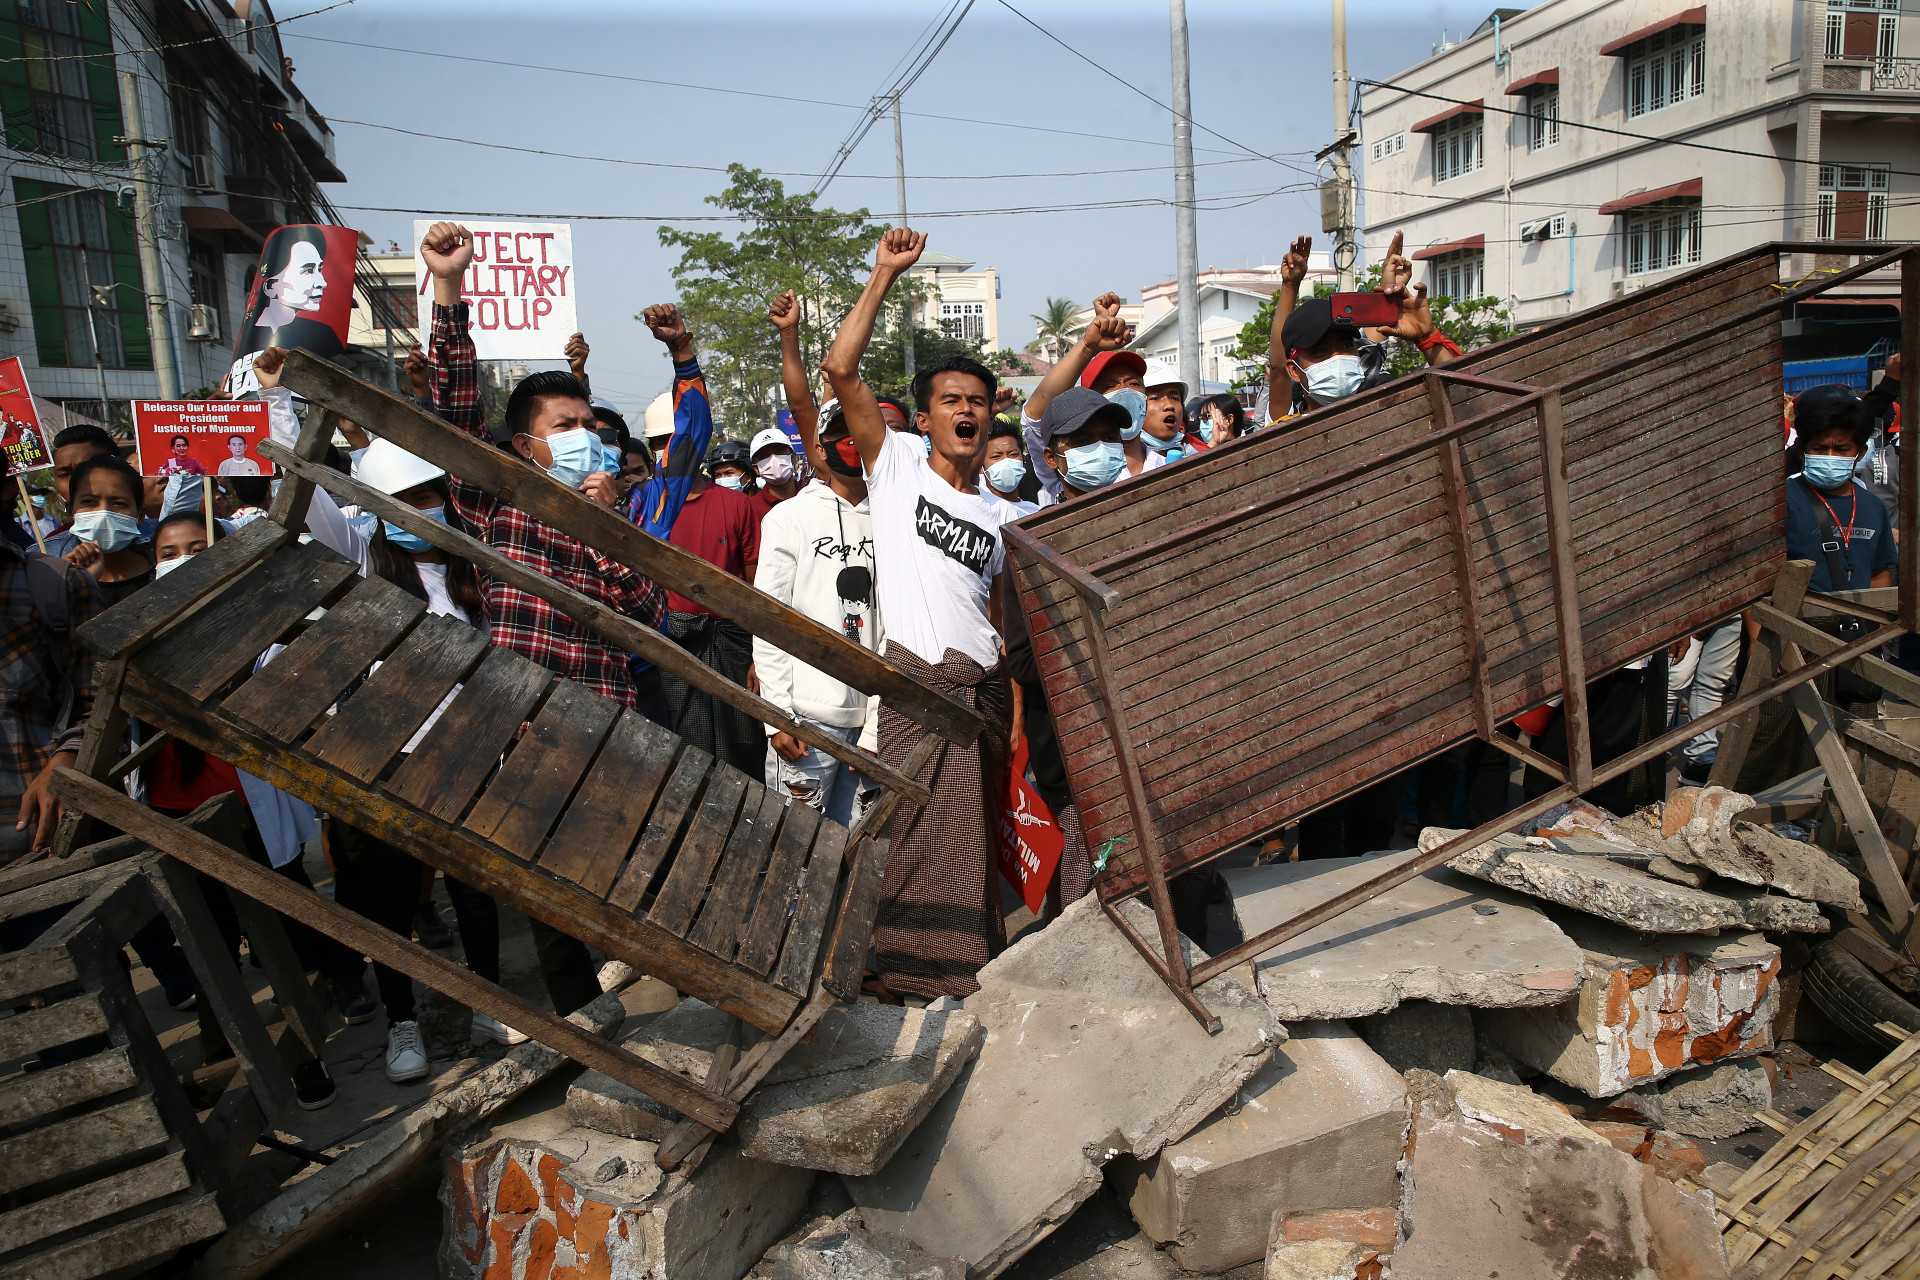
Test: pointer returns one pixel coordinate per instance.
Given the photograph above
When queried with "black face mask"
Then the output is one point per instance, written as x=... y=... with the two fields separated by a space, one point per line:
x=839 y=465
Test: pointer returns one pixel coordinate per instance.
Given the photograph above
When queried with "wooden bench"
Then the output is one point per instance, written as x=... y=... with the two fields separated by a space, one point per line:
x=531 y=788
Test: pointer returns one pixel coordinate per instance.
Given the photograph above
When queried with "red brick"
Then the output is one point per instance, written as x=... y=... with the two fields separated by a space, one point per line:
x=515 y=1193
x=501 y=1233
x=562 y=1201
x=540 y=1247
x=1373 y=1228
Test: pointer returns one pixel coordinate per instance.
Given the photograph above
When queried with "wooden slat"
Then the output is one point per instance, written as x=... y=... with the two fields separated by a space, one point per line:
x=41 y=1093
x=599 y=828
x=818 y=883
x=760 y=942
x=141 y=615
x=693 y=861
x=44 y=1219
x=519 y=806
x=62 y=1022
x=24 y=973
x=738 y=878
x=126 y=1244
x=442 y=774
x=287 y=695
x=364 y=736
x=226 y=637
x=68 y=1146
x=846 y=963
x=663 y=827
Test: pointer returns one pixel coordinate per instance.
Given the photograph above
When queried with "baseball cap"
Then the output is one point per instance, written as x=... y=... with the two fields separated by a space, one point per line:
x=832 y=421
x=1310 y=323
x=768 y=438
x=1075 y=407
x=1125 y=359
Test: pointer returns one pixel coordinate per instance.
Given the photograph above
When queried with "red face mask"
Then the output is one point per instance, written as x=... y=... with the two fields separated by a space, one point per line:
x=843 y=455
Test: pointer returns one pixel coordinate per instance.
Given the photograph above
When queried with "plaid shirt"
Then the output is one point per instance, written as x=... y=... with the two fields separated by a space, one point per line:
x=40 y=666
x=519 y=620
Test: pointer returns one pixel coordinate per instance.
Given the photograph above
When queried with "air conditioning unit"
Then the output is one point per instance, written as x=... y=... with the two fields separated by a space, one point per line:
x=203 y=323
x=1623 y=287
x=206 y=175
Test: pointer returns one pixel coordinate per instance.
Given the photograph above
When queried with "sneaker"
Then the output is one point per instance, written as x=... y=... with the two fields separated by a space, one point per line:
x=406 y=1059
x=431 y=929
x=312 y=1086
x=355 y=1005
x=485 y=1028
x=614 y=974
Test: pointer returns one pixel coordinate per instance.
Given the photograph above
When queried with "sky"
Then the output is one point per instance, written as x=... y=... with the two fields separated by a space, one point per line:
x=1260 y=72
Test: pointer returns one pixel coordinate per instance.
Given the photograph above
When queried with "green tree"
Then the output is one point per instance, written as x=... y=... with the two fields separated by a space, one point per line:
x=1055 y=328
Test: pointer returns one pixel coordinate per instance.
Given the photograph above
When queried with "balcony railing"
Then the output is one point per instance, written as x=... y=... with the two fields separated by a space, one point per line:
x=1896 y=75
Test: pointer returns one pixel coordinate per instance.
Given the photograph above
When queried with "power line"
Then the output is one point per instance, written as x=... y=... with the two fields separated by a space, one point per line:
x=181 y=44
x=876 y=106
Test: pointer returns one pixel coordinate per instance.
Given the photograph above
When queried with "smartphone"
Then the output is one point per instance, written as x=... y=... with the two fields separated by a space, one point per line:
x=1365 y=310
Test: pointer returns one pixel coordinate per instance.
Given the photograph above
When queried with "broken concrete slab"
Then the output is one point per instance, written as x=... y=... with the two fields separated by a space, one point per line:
x=1421 y=1035
x=1704 y=828
x=1717 y=1102
x=1438 y=937
x=1668 y=1154
x=1622 y=894
x=1648 y=1007
x=842 y=1102
x=1323 y=1260
x=842 y=1248
x=1497 y=1181
x=1087 y=1057
x=1319 y=1127
x=1374 y=1227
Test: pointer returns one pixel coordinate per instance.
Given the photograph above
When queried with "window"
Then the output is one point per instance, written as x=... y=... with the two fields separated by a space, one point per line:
x=1862 y=29
x=55 y=100
x=189 y=114
x=1853 y=202
x=1543 y=117
x=967 y=320
x=1458 y=275
x=1662 y=236
x=1389 y=146
x=1666 y=69
x=393 y=306
x=73 y=239
x=1456 y=148
x=1554 y=228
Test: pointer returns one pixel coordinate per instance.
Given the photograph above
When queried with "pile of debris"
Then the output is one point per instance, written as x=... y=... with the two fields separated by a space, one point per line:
x=1506 y=1062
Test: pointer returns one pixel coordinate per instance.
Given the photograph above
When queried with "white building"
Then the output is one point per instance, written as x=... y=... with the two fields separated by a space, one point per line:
x=385 y=307
x=1822 y=95
x=1228 y=299
x=965 y=301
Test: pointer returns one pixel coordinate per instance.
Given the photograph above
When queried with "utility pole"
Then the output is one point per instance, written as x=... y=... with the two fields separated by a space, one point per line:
x=93 y=333
x=900 y=182
x=1186 y=253
x=147 y=232
x=1342 y=207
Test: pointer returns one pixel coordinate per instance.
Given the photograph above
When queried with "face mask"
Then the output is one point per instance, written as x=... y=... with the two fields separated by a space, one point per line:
x=165 y=567
x=1335 y=378
x=576 y=455
x=1136 y=406
x=1006 y=474
x=408 y=541
x=609 y=459
x=775 y=468
x=837 y=460
x=1828 y=471
x=1094 y=466
x=731 y=481
x=1169 y=447
x=924 y=444
x=1205 y=430
x=108 y=530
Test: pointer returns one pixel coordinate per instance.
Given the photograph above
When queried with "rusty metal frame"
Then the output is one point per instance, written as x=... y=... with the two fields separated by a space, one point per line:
x=1581 y=773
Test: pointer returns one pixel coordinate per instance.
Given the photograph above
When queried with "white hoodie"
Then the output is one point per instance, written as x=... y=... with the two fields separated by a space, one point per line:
x=805 y=543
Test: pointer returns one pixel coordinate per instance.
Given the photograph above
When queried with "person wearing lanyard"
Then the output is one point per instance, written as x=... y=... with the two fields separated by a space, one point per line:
x=1832 y=519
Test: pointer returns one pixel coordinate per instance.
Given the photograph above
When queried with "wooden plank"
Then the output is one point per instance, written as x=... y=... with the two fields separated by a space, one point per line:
x=267 y=942
x=104 y=735
x=62 y=1022
x=622 y=632
x=369 y=730
x=760 y=942
x=519 y=806
x=519 y=485
x=296 y=491
x=287 y=695
x=818 y=883
x=1817 y=720
x=68 y=1146
x=24 y=973
x=699 y=850
x=46 y=1218
x=113 y=1249
x=846 y=966
x=139 y=617
x=599 y=828
x=738 y=878
x=229 y=635
x=442 y=774
x=663 y=827
x=29 y=1095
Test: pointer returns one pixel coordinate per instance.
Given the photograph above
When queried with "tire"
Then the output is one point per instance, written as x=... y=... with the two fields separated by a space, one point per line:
x=1854 y=999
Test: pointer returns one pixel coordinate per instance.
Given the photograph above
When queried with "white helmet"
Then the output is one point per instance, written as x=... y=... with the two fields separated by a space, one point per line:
x=390 y=469
x=659 y=417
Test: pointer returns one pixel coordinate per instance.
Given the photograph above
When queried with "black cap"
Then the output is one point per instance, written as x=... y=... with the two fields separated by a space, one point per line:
x=1075 y=407
x=1310 y=323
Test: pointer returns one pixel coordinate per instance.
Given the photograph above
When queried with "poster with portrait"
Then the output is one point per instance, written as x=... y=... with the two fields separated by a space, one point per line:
x=519 y=290
x=21 y=432
x=302 y=297
x=201 y=437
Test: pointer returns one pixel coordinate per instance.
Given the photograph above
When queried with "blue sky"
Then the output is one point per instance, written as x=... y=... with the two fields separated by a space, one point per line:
x=1260 y=76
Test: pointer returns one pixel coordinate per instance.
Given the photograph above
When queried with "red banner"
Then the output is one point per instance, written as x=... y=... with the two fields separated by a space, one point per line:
x=1030 y=840
x=21 y=432
x=302 y=297
x=201 y=437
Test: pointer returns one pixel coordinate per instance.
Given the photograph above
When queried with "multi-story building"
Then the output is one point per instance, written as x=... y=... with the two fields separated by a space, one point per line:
x=235 y=149
x=1813 y=104
x=964 y=301
x=1228 y=298
x=386 y=315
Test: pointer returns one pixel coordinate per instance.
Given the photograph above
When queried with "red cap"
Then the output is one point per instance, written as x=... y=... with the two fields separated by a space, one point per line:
x=1129 y=359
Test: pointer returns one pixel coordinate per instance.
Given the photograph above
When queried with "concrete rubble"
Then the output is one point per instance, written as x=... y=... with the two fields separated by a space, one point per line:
x=1438 y=937
x=1420 y=1035
x=1323 y=1260
x=841 y=1248
x=1714 y=1102
x=1703 y=827
x=1086 y=1059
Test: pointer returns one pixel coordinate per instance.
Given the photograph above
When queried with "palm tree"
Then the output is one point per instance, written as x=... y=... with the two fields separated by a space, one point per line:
x=1054 y=328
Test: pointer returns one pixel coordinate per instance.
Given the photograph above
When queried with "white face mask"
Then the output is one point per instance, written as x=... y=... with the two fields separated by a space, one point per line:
x=775 y=468
x=165 y=567
x=731 y=480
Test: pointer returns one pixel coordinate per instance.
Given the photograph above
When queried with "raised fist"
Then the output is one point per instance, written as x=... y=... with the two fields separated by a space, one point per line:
x=899 y=249
x=447 y=249
x=784 y=312
x=663 y=318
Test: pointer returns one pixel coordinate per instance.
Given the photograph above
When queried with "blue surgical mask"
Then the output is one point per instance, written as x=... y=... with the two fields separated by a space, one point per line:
x=1204 y=428
x=1335 y=378
x=1136 y=406
x=1169 y=447
x=108 y=530
x=576 y=455
x=409 y=542
x=1094 y=466
x=1828 y=470
x=1006 y=474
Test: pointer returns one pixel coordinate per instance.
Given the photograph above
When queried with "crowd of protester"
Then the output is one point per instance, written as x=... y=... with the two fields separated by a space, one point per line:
x=885 y=525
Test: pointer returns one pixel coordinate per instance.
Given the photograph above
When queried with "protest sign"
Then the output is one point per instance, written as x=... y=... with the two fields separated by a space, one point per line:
x=519 y=290
x=1030 y=840
x=302 y=298
x=201 y=437
x=21 y=432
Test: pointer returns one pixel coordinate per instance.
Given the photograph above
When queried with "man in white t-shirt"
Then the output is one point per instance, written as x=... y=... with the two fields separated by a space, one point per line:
x=937 y=554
